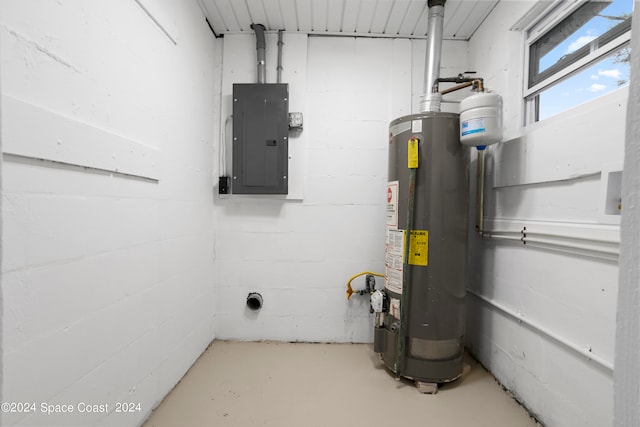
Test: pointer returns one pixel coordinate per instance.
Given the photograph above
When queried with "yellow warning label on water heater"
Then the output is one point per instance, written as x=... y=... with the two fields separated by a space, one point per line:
x=419 y=247
x=412 y=153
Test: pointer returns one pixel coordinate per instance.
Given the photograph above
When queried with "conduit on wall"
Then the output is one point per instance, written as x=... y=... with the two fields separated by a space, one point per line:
x=260 y=51
x=586 y=352
x=279 y=67
x=579 y=245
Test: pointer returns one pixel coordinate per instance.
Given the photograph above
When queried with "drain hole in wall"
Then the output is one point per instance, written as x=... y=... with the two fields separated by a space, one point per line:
x=254 y=301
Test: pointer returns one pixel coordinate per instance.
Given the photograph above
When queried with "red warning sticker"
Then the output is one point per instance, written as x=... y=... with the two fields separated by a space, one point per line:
x=392 y=204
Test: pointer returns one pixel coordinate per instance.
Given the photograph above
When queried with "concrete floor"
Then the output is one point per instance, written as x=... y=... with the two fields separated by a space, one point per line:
x=287 y=384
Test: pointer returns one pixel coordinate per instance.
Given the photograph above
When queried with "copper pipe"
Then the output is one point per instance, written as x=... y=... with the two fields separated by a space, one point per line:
x=478 y=84
x=480 y=191
x=455 y=88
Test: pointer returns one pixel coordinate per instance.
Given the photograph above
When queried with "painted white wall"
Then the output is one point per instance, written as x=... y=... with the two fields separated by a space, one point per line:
x=551 y=175
x=299 y=253
x=107 y=203
x=1 y=239
x=107 y=264
x=627 y=373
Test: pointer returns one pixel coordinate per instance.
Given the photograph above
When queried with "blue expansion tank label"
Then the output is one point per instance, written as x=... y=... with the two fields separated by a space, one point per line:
x=472 y=126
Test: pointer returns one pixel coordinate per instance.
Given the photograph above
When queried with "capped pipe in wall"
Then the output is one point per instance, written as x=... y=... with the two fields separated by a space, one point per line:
x=430 y=100
x=260 y=50
x=254 y=301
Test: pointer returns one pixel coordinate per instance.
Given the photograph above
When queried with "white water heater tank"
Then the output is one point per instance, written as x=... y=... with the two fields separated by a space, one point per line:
x=481 y=119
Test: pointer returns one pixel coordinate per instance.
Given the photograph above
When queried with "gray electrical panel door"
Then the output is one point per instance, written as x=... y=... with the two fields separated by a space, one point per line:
x=260 y=138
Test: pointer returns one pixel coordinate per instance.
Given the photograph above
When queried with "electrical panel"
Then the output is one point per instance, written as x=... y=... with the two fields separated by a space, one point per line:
x=260 y=138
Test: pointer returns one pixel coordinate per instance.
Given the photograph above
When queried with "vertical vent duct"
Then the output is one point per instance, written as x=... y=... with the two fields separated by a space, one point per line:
x=430 y=100
x=260 y=48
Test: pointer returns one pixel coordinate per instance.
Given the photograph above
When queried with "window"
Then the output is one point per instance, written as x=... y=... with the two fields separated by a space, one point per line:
x=577 y=52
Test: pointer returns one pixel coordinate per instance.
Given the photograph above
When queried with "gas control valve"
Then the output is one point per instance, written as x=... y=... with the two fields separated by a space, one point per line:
x=379 y=302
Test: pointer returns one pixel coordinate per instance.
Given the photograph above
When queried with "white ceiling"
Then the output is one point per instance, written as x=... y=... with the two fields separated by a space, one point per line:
x=380 y=18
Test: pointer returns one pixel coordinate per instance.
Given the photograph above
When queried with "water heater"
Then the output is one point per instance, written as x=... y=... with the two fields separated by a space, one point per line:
x=426 y=249
x=420 y=314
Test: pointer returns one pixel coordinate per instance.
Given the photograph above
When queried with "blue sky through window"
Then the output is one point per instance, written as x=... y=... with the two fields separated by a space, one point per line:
x=590 y=31
x=595 y=80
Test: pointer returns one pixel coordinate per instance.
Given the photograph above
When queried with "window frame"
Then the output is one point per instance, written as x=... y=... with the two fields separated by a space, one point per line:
x=549 y=19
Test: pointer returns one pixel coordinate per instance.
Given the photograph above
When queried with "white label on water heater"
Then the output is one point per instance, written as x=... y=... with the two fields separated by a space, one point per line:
x=393 y=260
x=394 y=307
x=416 y=126
x=392 y=204
x=472 y=126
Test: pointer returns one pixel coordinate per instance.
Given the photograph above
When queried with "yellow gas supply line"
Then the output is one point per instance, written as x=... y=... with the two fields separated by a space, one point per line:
x=350 y=290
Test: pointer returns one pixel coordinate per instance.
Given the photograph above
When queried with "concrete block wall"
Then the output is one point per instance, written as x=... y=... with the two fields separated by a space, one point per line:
x=551 y=174
x=107 y=269
x=627 y=360
x=116 y=266
x=299 y=252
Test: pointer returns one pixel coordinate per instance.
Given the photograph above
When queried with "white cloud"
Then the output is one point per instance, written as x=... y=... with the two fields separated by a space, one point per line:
x=615 y=73
x=596 y=87
x=579 y=42
x=594 y=77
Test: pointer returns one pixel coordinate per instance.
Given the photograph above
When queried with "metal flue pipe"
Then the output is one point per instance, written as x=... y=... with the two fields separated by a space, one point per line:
x=260 y=48
x=430 y=100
